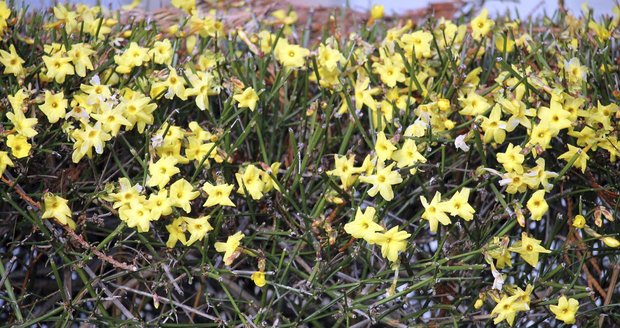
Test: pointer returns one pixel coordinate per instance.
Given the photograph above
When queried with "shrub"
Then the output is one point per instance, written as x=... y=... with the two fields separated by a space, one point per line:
x=449 y=173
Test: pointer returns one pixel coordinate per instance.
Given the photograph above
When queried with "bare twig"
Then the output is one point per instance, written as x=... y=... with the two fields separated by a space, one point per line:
x=75 y=237
x=115 y=301
x=169 y=301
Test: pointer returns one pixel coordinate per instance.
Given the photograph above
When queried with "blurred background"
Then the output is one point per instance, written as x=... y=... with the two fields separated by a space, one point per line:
x=524 y=7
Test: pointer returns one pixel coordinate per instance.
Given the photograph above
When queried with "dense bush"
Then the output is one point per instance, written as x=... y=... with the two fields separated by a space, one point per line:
x=431 y=173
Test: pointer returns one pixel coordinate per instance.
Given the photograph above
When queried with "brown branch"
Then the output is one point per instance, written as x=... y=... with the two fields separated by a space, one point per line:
x=74 y=237
x=347 y=245
x=581 y=250
x=169 y=301
x=593 y=283
x=610 y=291
x=197 y=300
x=97 y=281
x=21 y=193
x=612 y=284
x=106 y=258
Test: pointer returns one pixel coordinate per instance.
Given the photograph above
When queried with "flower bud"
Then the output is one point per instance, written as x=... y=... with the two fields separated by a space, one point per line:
x=579 y=221
x=611 y=242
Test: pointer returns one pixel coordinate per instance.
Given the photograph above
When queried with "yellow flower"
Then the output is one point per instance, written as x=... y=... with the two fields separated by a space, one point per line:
x=269 y=183
x=218 y=194
x=19 y=145
x=248 y=98
x=363 y=94
x=161 y=171
x=159 y=204
x=529 y=249
x=197 y=228
x=282 y=17
x=187 y=5
x=79 y=55
x=481 y=25
x=518 y=111
x=87 y=139
x=266 y=41
x=382 y=182
x=417 y=129
x=17 y=100
x=418 y=42
x=203 y=85
x=575 y=72
x=537 y=205
x=12 y=61
x=507 y=308
x=522 y=295
x=173 y=85
x=162 y=52
x=581 y=161
x=494 y=128
x=137 y=215
x=111 y=118
x=177 y=232
x=512 y=159
x=364 y=225
x=498 y=250
x=601 y=116
x=132 y=57
x=565 y=310
x=291 y=55
x=579 y=221
x=516 y=182
x=97 y=92
x=376 y=12
x=408 y=155
x=449 y=34
x=329 y=58
x=54 y=48
x=4 y=161
x=540 y=135
x=126 y=193
x=181 y=194
x=383 y=147
x=250 y=182
x=259 y=278
x=198 y=150
x=540 y=177
x=459 y=205
x=435 y=211
x=229 y=248
x=344 y=169
x=602 y=33
x=5 y=13
x=138 y=109
x=368 y=165
x=171 y=146
x=58 y=66
x=389 y=72
x=555 y=117
x=474 y=104
x=56 y=207
x=392 y=242
x=55 y=106
x=133 y=5
x=502 y=44
x=21 y=124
